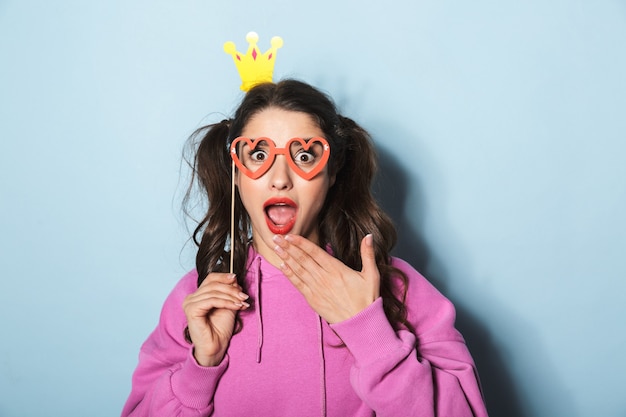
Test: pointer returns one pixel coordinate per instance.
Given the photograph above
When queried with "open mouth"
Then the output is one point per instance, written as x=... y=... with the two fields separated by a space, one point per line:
x=280 y=215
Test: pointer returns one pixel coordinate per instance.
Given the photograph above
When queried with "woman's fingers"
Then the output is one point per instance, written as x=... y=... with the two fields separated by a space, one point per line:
x=301 y=257
x=200 y=306
x=236 y=297
x=214 y=291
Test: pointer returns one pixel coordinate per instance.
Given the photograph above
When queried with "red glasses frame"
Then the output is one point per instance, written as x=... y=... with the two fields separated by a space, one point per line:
x=274 y=151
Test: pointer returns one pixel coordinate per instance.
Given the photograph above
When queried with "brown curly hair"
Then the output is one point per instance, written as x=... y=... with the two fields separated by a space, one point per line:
x=350 y=211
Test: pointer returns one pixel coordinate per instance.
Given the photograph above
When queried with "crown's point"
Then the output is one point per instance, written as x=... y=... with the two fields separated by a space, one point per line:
x=276 y=42
x=230 y=48
x=252 y=37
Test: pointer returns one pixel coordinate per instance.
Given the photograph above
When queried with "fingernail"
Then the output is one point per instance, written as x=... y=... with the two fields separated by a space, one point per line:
x=279 y=250
x=369 y=239
x=243 y=296
x=277 y=238
x=231 y=276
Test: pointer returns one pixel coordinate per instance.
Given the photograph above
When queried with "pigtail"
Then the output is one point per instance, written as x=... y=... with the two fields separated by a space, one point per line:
x=211 y=174
x=355 y=169
x=344 y=224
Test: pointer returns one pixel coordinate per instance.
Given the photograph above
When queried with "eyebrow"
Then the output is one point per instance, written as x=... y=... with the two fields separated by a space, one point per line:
x=306 y=140
x=257 y=144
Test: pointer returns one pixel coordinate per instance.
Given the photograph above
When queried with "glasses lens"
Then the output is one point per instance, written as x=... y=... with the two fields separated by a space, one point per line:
x=255 y=158
x=306 y=156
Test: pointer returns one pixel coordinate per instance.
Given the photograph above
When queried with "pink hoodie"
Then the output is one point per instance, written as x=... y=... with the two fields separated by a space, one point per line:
x=288 y=362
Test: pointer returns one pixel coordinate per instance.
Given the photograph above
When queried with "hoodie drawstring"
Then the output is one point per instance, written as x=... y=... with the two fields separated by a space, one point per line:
x=259 y=316
x=320 y=334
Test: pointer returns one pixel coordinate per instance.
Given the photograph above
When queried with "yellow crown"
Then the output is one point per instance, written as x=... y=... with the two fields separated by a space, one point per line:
x=254 y=67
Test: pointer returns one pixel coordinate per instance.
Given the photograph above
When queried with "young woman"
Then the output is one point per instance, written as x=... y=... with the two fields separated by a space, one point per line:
x=317 y=319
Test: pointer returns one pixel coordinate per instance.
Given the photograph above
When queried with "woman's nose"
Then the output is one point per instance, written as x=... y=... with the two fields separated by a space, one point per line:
x=280 y=173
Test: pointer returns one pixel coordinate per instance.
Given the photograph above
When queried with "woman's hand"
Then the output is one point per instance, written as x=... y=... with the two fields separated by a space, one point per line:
x=331 y=288
x=210 y=312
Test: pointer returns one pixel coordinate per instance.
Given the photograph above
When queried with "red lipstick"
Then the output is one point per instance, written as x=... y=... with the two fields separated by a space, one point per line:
x=280 y=214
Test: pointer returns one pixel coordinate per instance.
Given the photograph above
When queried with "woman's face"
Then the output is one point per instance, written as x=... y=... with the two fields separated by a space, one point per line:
x=281 y=201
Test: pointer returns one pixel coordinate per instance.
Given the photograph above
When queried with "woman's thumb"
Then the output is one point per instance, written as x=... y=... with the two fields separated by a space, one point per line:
x=368 y=256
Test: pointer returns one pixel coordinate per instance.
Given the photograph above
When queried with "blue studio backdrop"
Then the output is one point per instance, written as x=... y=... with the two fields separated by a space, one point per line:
x=501 y=131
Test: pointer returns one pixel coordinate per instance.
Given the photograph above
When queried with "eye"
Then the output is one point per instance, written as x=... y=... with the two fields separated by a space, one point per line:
x=258 y=156
x=303 y=157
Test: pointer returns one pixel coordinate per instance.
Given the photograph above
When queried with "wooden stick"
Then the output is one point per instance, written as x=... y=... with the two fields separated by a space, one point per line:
x=232 y=216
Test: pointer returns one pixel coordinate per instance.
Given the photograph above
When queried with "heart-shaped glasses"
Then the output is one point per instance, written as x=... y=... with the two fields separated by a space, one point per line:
x=254 y=157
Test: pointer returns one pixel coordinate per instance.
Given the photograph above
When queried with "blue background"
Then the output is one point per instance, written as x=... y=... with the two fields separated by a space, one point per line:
x=500 y=125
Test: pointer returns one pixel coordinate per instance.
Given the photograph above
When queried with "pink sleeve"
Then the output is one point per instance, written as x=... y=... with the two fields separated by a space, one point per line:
x=161 y=382
x=430 y=373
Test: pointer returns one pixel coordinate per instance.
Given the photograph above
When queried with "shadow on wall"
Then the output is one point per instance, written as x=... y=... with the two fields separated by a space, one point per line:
x=390 y=188
x=536 y=392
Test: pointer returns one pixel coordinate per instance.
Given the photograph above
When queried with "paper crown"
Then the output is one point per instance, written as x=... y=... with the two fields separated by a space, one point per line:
x=254 y=67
